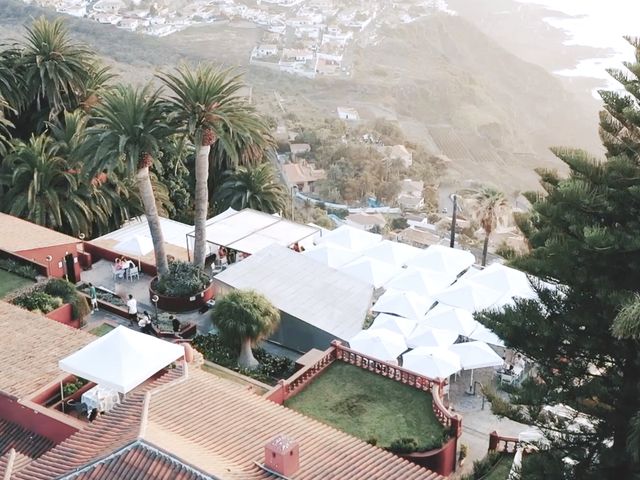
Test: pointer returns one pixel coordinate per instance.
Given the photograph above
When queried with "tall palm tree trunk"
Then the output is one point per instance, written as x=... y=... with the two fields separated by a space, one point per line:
x=201 y=204
x=246 y=358
x=151 y=211
x=485 y=249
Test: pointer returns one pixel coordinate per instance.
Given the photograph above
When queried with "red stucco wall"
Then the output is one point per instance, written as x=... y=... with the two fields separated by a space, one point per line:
x=57 y=252
x=35 y=419
x=64 y=314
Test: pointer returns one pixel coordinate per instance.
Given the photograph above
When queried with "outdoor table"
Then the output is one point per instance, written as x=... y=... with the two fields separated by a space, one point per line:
x=101 y=398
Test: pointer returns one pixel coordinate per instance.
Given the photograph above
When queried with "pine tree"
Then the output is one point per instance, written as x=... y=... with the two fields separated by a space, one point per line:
x=584 y=233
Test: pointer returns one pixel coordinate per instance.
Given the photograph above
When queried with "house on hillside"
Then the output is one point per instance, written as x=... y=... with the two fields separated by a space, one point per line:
x=302 y=175
x=396 y=152
x=411 y=194
x=346 y=113
x=366 y=221
x=265 y=50
x=60 y=253
x=299 y=149
x=318 y=304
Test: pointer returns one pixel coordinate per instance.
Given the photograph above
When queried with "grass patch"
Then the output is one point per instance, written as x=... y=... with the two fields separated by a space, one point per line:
x=10 y=282
x=501 y=469
x=102 y=329
x=370 y=407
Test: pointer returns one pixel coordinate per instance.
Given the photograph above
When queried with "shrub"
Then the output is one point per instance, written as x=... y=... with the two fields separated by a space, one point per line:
x=58 y=287
x=271 y=369
x=38 y=300
x=69 y=389
x=183 y=280
x=22 y=269
x=372 y=441
x=483 y=466
x=403 y=445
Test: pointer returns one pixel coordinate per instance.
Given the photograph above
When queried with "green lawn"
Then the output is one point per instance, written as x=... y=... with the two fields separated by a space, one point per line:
x=102 y=329
x=10 y=282
x=502 y=469
x=369 y=406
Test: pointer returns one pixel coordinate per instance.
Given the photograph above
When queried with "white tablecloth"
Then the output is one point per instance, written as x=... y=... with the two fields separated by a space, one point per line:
x=101 y=398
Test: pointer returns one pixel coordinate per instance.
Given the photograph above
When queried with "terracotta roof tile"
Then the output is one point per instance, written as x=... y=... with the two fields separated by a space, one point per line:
x=226 y=419
x=17 y=235
x=30 y=348
x=27 y=444
x=106 y=434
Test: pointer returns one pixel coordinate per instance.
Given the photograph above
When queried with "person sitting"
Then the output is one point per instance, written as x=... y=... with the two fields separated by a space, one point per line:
x=118 y=263
x=222 y=256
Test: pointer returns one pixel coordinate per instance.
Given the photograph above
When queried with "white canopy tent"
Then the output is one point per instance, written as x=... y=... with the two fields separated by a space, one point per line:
x=407 y=304
x=432 y=362
x=331 y=255
x=394 y=253
x=379 y=343
x=476 y=355
x=373 y=272
x=250 y=231
x=448 y=261
x=136 y=246
x=469 y=296
x=420 y=281
x=401 y=325
x=350 y=238
x=483 y=334
x=424 y=336
x=451 y=318
x=122 y=359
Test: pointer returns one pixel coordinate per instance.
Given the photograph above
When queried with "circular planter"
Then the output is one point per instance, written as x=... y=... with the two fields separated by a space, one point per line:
x=181 y=304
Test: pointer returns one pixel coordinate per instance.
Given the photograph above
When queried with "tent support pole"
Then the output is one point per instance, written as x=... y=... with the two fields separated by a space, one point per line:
x=62 y=395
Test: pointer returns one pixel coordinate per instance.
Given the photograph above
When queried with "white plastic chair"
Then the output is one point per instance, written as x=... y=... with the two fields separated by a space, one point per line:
x=117 y=273
x=134 y=272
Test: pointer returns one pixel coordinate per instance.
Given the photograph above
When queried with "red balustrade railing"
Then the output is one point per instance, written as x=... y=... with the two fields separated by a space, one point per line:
x=298 y=381
x=499 y=443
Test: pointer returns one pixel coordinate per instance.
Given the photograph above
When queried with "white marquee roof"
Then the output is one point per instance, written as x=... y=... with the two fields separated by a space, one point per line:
x=122 y=359
x=350 y=238
x=308 y=290
x=250 y=231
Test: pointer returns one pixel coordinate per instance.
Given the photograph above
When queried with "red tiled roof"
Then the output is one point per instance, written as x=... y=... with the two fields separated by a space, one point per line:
x=30 y=347
x=17 y=235
x=105 y=435
x=212 y=427
x=24 y=442
x=139 y=461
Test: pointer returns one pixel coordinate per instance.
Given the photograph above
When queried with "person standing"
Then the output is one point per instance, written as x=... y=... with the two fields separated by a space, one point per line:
x=94 y=298
x=132 y=308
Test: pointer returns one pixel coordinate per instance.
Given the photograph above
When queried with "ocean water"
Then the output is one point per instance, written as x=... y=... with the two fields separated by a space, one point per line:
x=596 y=23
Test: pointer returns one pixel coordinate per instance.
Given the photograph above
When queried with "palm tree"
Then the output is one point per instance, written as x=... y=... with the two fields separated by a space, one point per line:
x=55 y=71
x=128 y=127
x=207 y=109
x=490 y=203
x=39 y=187
x=255 y=188
x=244 y=317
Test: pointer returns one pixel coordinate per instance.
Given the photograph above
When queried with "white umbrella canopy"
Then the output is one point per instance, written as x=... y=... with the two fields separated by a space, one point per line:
x=373 y=272
x=451 y=318
x=136 y=246
x=469 y=296
x=122 y=359
x=476 y=355
x=420 y=281
x=424 y=336
x=432 y=362
x=379 y=343
x=406 y=304
x=397 y=254
x=512 y=282
x=483 y=334
x=401 y=325
x=350 y=238
x=331 y=255
x=449 y=261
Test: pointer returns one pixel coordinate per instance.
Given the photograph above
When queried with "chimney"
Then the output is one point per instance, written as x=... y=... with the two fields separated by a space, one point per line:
x=282 y=455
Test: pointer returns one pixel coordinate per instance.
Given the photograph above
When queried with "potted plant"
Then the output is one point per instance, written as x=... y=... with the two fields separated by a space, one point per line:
x=462 y=454
x=184 y=287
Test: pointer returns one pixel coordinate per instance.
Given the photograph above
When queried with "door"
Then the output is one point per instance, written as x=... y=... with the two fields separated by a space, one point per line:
x=70 y=268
